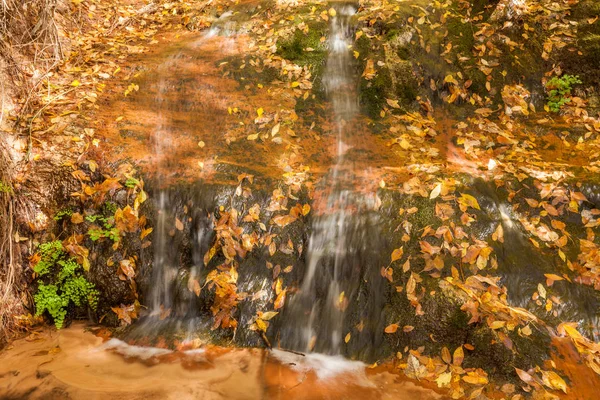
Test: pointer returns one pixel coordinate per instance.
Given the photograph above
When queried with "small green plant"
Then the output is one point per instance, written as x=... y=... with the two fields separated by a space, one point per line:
x=98 y=233
x=61 y=283
x=4 y=188
x=559 y=91
x=131 y=183
x=107 y=230
x=67 y=212
x=110 y=208
x=50 y=253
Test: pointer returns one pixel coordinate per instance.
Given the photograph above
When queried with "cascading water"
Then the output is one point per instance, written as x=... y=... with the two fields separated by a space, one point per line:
x=338 y=243
x=169 y=307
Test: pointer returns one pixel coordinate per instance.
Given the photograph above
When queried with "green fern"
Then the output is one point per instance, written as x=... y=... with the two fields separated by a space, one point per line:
x=559 y=91
x=64 y=284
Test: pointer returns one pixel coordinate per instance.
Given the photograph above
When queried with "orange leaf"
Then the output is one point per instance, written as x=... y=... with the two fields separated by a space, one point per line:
x=280 y=300
x=397 y=254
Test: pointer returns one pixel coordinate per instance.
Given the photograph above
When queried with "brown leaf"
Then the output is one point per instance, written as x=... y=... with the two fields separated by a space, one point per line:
x=525 y=377
x=76 y=218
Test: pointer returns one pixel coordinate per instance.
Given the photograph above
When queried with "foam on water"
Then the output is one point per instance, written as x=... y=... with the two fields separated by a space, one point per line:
x=132 y=351
x=324 y=366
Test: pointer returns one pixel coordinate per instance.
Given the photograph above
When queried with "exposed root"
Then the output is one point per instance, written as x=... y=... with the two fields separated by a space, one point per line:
x=29 y=42
x=10 y=302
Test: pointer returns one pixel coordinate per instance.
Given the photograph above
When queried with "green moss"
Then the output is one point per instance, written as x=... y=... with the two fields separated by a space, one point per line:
x=461 y=35
x=372 y=94
x=586 y=9
x=590 y=46
x=293 y=48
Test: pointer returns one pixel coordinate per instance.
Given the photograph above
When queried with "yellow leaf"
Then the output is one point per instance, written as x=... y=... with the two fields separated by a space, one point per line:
x=261 y=325
x=75 y=83
x=459 y=356
x=541 y=290
x=392 y=103
x=305 y=209
x=268 y=315
x=391 y=328
x=469 y=200
x=397 y=254
x=444 y=379
x=475 y=379
x=260 y=112
x=446 y=355
x=552 y=380
x=347 y=338
x=436 y=191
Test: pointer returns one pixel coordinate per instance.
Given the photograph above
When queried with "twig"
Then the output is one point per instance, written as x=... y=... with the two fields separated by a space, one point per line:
x=37 y=114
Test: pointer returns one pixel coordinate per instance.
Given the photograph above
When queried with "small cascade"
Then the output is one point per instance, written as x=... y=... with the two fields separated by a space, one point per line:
x=171 y=307
x=336 y=257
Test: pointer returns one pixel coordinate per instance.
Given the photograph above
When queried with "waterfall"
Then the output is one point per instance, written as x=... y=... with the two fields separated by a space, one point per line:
x=330 y=280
